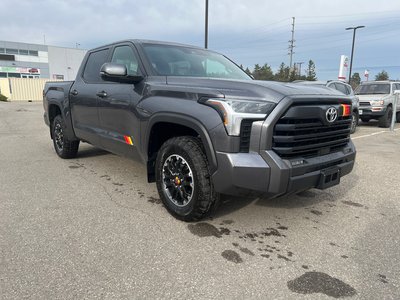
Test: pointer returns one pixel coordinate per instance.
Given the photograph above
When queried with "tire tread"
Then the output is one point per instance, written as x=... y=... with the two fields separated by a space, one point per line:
x=70 y=148
x=207 y=197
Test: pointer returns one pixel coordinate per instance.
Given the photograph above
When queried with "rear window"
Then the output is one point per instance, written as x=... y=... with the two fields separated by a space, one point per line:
x=95 y=60
x=373 y=88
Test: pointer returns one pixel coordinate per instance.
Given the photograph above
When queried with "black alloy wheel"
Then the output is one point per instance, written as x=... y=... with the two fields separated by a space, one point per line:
x=64 y=147
x=178 y=180
x=183 y=179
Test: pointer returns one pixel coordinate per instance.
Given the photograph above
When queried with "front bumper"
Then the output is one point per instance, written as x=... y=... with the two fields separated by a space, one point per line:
x=267 y=173
x=263 y=171
x=371 y=111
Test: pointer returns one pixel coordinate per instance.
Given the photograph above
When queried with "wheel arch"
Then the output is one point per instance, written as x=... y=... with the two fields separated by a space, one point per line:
x=162 y=127
x=54 y=110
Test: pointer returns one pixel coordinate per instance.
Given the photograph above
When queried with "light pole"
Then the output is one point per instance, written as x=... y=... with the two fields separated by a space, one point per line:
x=352 y=47
x=206 y=27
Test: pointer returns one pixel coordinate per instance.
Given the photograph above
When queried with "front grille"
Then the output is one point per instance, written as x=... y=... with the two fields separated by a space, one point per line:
x=365 y=103
x=309 y=135
x=245 y=132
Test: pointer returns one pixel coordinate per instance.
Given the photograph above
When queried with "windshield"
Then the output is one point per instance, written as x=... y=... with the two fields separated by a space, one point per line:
x=169 y=60
x=375 y=88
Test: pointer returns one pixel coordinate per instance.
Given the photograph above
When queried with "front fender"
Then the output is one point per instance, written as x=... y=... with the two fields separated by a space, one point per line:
x=189 y=122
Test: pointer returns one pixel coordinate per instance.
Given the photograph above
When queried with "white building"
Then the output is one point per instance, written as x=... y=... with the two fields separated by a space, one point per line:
x=23 y=60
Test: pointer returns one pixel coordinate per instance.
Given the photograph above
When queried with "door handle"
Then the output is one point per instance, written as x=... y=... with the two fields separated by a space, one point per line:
x=102 y=94
x=74 y=93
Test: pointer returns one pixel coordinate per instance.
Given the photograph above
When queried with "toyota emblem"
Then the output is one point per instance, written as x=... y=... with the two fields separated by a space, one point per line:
x=331 y=114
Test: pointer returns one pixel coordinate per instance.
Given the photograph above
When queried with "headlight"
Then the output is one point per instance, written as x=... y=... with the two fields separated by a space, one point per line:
x=233 y=111
x=377 y=102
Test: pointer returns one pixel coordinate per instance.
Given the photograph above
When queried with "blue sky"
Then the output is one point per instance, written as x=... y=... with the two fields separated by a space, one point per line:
x=248 y=31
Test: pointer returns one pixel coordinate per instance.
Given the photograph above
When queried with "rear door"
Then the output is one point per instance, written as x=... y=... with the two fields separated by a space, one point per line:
x=84 y=98
x=119 y=121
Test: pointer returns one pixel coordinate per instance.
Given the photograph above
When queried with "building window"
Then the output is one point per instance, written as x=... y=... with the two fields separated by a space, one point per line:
x=14 y=75
x=2 y=50
x=11 y=51
x=3 y=75
x=33 y=53
x=7 y=57
x=23 y=52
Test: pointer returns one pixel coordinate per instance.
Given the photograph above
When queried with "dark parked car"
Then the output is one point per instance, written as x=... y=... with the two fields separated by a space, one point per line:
x=200 y=124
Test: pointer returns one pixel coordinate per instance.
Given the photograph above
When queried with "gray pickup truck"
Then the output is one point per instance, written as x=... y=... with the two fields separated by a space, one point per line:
x=200 y=124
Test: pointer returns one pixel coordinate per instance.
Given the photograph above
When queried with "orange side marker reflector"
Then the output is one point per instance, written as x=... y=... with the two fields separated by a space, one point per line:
x=346 y=110
x=128 y=140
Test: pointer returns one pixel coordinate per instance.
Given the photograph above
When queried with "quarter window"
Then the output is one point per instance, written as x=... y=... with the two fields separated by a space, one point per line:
x=95 y=60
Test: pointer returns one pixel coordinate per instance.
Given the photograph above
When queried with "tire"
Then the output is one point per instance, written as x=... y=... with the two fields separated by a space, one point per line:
x=183 y=179
x=364 y=119
x=386 y=119
x=354 y=122
x=63 y=147
x=398 y=117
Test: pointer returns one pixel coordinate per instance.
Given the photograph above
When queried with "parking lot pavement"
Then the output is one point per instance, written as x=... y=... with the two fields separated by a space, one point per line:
x=91 y=227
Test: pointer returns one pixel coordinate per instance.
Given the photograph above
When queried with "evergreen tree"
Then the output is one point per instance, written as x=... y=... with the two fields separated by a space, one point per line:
x=292 y=75
x=256 y=72
x=263 y=73
x=311 y=75
x=355 y=80
x=282 y=74
x=382 y=75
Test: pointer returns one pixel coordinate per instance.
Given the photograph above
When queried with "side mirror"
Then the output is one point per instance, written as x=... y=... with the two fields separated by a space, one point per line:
x=118 y=73
x=113 y=70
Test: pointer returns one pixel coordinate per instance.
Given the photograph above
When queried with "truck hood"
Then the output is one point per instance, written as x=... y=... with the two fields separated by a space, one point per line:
x=250 y=89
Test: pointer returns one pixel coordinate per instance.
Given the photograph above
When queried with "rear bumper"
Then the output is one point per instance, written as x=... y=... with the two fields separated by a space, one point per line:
x=267 y=173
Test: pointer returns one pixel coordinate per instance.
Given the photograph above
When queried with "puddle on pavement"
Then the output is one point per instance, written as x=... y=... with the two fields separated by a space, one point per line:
x=232 y=256
x=318 y=282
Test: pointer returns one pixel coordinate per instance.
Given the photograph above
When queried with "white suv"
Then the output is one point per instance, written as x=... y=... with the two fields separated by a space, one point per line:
x=376 y=101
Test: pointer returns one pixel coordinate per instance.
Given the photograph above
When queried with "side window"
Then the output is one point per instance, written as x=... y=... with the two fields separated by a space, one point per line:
x=92 y=69
x=341 y=88
x=124 y=55
x=396 y=87
x=349 y=90
x=332 y=86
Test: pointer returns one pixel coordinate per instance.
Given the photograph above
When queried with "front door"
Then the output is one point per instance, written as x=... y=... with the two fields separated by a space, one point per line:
x=120 y=125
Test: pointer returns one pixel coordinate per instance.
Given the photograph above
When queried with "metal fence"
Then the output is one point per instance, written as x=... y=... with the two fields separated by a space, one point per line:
x=23 y=89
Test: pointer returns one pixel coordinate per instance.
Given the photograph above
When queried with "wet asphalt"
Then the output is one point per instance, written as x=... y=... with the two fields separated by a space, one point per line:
x=93 y=228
